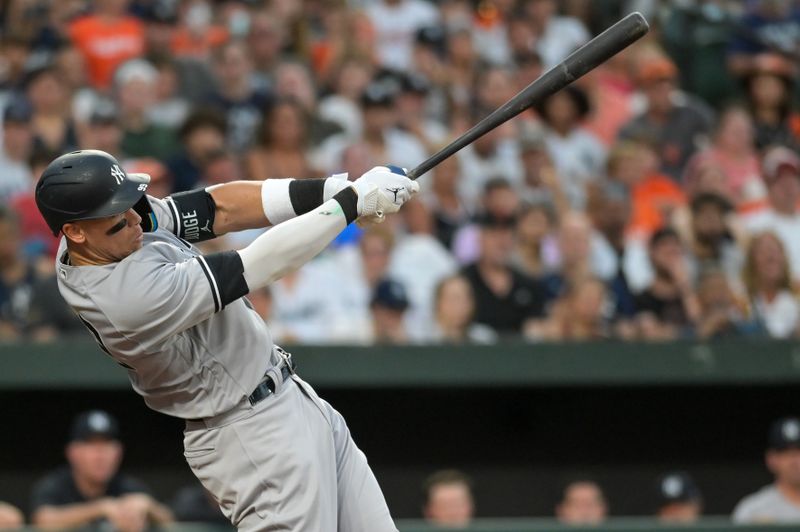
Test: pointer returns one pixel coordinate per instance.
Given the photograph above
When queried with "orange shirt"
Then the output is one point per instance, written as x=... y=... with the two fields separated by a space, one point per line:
x=187 y=44
x=106 y=45
x=653 y=199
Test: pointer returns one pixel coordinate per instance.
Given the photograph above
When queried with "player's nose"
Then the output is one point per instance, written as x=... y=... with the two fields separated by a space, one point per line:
x=133 y=216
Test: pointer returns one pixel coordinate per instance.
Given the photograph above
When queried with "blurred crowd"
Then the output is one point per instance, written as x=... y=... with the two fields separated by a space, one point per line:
x=90 y=490
x=656 y=198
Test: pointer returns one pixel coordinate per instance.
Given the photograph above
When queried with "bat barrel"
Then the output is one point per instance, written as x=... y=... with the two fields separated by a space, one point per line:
x=587 y=57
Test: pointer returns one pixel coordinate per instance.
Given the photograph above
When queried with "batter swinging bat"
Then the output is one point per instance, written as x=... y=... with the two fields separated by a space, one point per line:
x=587 y=57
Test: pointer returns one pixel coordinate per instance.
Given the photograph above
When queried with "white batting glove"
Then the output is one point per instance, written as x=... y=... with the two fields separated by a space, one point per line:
x=393 y=190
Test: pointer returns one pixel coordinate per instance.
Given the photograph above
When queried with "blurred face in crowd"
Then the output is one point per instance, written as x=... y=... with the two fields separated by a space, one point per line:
x=532 y=226
x=664 y=255
x=17 y=139
x=588 y=301
x=497 y=244
x=768 y=91
x=265 y=38
x=501 y=201
x=583 y=504
x=609 y=215
x=9 y=242
x=659 y=95
x=233 y=66
x=110 y=8
x=562 y=115
x=204 y=140
x=454 y=303
x=709 y=177
x=353 y=78
x=377 y=119
x=735 y=132
x=708 y=223
x=460 y=49
x=46 y=93
x=573 y=240
x=94 y=461
x=103 y=135
x=449 y=504
x=785 y=465
x=375 y=250
x=495 y=88
x=769 y=261
x=287 y=126
x=387 y=322
x=680 y=512
x=166 y=83
x=222 y=168
x=784 y=190
x=445 y=176
x=714 y=292
x=71 y=67
x=158 y=36
x=418 y=218
x=136 y=96
x=357 y=159
x=293 y=80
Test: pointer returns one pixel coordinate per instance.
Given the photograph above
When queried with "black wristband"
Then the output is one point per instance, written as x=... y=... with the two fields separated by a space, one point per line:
x=348 y=200
x=306 y=194
x=193 y=214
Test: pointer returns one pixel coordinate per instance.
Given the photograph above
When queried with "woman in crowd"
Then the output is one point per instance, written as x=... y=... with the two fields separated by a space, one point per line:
x=52 y=125
x=284 y=141
x=769 y=87
x=581 y=313
x=454 y=308
x=536 y=245
x=773 y=303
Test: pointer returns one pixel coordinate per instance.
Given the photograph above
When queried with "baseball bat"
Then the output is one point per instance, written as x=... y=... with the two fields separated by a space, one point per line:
x=616 y=38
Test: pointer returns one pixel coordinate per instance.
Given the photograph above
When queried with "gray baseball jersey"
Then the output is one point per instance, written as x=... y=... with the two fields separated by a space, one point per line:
x=192 y=346
x=767 y=505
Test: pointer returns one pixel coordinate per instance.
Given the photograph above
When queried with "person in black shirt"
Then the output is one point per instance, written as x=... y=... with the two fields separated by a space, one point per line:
x=505 y=299
x=90 y=490
x=668 y=308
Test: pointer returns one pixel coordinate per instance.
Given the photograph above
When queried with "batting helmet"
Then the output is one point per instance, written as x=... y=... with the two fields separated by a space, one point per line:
x=90 y=184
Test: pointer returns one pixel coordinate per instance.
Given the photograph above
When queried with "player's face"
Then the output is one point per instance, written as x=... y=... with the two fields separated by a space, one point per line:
x=94 y=461
x=108 y=239
x=785 y=465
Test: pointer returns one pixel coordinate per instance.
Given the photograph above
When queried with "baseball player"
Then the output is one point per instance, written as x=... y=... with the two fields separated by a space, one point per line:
x=274 y=455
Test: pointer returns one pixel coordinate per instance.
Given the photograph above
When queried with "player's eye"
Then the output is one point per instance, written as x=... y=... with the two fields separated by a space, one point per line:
x=117 y=227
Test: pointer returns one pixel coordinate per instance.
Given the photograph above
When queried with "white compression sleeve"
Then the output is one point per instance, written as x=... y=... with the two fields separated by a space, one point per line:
x=289 y=245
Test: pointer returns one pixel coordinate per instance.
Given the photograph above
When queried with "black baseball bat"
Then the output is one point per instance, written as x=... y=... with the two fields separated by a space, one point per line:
x=587 y=57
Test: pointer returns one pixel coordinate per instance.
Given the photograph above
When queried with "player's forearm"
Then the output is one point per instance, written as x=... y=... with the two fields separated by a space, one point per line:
x=289 y=245
x=253 y=204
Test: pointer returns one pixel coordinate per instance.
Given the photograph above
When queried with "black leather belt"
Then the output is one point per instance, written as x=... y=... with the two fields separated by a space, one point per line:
x=267 y=386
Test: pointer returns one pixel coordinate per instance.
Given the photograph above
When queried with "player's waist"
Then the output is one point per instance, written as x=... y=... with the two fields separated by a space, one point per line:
x=270 y=384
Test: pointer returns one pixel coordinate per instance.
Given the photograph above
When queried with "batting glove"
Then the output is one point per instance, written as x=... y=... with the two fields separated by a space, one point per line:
x=383 y=189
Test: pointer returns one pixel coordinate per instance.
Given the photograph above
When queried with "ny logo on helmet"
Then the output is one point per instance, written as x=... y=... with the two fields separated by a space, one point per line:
x=118 y=174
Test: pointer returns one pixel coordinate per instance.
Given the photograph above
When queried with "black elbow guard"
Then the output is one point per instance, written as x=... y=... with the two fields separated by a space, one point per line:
x=193 y=215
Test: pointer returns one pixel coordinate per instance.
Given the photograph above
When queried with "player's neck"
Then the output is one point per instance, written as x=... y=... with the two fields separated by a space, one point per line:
x=790 y=493
x=83 y=256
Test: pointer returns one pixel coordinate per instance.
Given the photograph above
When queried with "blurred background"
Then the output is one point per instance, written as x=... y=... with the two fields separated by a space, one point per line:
x=591 y=312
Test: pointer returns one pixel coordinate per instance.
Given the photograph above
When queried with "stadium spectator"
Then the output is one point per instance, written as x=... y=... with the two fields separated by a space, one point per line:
x=505 y=299
x=17 y=145
x=396 y=23
x=447 y=499
x=558 y=36
x=541 y=181
x=90 y=490
x=171 y=107
x=104 y=131
x=676 y=122
x=453 y=315
x=10 y=516
x=202 y=135
x=135 y=84
x=781 y=172
x=767 y=279
x=577 y=155
x=668 y=308
x=51 y=122
x=535 y=250
x=721 y=315
x=679 y=500
x=266 y=38
x=778 y=502
x=388 y=306
x=195 y=504
x=579 y=313
x=412 y=112
x=733 y=152
x=341 y=106
x=582 y=503
x=449 y=211
x=107 y=38
x=282 y=143
x=236 y=95
x=766 y=26
x=769 y=86
x=196 y=34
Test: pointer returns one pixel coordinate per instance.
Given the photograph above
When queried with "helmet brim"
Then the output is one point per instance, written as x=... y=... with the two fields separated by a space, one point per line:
x=130 y=191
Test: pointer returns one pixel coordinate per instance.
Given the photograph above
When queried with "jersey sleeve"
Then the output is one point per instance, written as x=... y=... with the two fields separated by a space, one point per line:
x=158 y=299
x=165 y=213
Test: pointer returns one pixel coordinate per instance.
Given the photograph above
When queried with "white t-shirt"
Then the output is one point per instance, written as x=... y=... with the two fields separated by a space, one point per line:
x=786 y=227
x=780 y=316
x=476 y=170
x=561 y=37
x=395 y=28
x=767 y=505
x=579 y=158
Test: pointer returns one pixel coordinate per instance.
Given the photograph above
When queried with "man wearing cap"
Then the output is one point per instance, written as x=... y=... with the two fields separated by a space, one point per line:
x=17 y=142
x=676 y=122
x=388 y=305
x=778 y=502
x=679 y=498
x=90 y=490
x=781 y=173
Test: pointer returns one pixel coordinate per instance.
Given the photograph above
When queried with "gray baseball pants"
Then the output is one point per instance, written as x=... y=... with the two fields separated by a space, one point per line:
x=287 y=463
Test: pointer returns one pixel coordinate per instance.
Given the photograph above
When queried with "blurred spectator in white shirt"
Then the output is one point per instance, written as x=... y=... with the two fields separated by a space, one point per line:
x=396 y=23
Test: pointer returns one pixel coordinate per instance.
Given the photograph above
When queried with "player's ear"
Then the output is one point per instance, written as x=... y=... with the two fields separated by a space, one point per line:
x=74 y=232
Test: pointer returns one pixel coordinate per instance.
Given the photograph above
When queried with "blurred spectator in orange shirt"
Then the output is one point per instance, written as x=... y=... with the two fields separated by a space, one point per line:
x=106 y=39
x=196 y=34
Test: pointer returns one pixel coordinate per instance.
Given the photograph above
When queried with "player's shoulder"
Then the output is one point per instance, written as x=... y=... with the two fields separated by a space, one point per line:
x=751 y=505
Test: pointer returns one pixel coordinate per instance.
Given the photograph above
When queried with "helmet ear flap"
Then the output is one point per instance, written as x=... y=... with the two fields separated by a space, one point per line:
x=149 y=221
